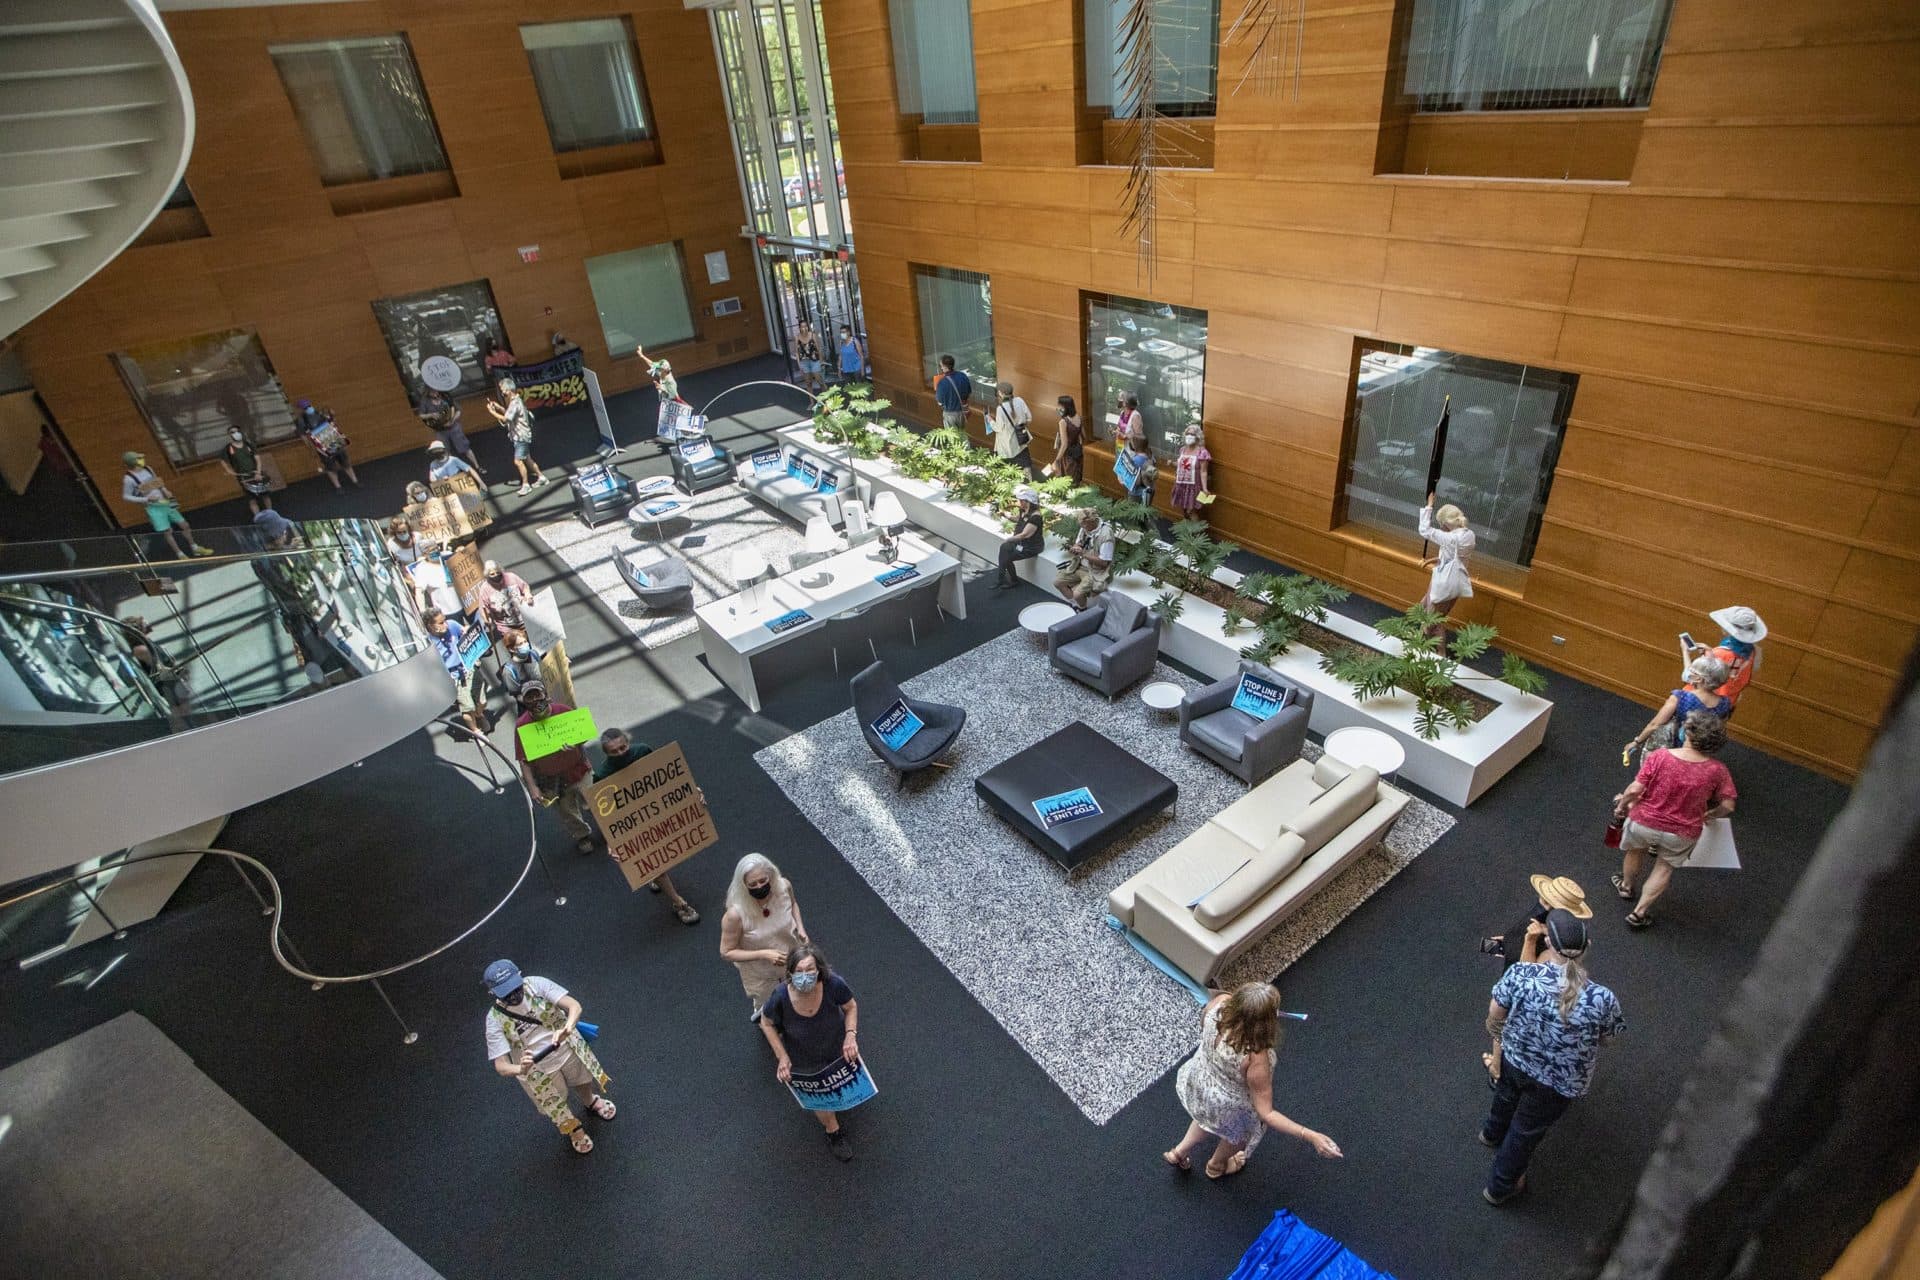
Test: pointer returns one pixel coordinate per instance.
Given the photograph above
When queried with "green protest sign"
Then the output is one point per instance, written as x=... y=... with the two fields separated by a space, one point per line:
x=555 y=733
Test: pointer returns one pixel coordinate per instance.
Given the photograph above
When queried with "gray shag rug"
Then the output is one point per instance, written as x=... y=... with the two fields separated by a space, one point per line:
x=720 y=522
x=1029 y=940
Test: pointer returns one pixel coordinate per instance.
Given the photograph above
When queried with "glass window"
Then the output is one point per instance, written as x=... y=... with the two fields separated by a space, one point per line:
x=1504 y=424
x=362 y=108
x=1466 y=55
x=451 y=321
x=1186 y=56
x=642 y=298
x=194 y=389
x=956 y=319
x=933 y=60
x=589 y=81
x=1156 y=351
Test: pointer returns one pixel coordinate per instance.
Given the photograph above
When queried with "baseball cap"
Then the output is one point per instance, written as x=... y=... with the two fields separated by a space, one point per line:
x=1027 y=493
x=436 y=448
x=501 y=977
x=1566 y=932
x=531 y=688
x=133 y=457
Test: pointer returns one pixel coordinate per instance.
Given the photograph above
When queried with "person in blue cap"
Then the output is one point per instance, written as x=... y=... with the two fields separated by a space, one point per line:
x=533 y=1037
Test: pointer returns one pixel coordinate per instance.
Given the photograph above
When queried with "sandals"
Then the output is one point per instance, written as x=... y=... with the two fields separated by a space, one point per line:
x=582 y=1143
x=1235 y=1163
x=686 y=912
x=603 y=1107
x=1177 y=1161
x=1637 y=921
x=1620 y=887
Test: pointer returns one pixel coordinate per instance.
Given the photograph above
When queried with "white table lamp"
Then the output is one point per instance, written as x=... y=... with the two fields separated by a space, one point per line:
x=887 y=511
x=748 y=565
x=820 y=534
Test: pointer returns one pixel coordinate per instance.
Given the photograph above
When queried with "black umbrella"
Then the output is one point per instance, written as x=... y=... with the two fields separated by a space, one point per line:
x=1439 y=453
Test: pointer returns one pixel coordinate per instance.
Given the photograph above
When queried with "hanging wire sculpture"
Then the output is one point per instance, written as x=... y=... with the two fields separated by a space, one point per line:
x=1273 y=33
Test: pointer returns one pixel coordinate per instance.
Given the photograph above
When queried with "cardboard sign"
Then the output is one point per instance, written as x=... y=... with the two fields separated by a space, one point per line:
x=557 y=733
x=441 y=520
x=894 y=576
x=464 y=488
x=767 y=462
x=542 y=619
x=788 y=621
x=1259 y=698
x=696 y=449
x=465 y=566
x=1068 y=806
x=651 y=815
x=840 y=1087
x=897 y=725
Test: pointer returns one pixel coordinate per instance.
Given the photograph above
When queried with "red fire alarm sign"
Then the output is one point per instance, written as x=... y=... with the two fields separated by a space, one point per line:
x=529 y=253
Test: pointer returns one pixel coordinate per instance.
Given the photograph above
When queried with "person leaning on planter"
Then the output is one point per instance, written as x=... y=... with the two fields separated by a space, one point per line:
x=1089 y=561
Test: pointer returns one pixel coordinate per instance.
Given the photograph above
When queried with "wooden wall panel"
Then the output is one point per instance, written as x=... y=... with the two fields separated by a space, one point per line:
x=279 y=261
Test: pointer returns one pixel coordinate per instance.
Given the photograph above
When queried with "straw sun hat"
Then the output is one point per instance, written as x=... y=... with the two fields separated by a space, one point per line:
x=1558 y=892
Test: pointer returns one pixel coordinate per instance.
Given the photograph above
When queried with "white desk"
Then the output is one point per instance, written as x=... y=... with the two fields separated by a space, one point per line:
x=734 y=629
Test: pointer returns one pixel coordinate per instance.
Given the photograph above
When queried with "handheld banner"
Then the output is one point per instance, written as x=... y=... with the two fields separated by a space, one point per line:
x=841 y=1087
x=1066 y=807
x=897 y=725
x=549 y=383
x=651 y=815
x=557 y=733
x=1259 y=698
x=473 y=647
x=465 y=489
x=1123 y=468
x=542 y=619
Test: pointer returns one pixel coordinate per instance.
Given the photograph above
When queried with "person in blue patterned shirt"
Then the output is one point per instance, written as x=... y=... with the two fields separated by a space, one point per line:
x=1550 y=1020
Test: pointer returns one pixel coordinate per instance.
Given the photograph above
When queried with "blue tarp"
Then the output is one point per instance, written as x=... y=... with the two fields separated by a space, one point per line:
x=1289 y=1249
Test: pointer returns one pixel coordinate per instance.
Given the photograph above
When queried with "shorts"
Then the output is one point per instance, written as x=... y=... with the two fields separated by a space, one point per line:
x=1085 y=581
x=455 y=438
x=164 y=516
x=522 y=450
x=256 y=487
x=810 y=367
x=1671 y=848
x=466 y=690
x=328 y=461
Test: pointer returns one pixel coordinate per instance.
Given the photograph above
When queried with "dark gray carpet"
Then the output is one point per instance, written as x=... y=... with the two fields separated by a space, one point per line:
x=971 y=1163
x=121 y=1158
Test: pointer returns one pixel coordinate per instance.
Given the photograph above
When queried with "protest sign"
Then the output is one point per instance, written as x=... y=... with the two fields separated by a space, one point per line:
x=464 y=488
x=1259 y=698
x=542 y=619
x=1066 y=807
x=473 y=647
x=651 y=815
x=556 y=733
x=1123 y=468
x=549 y=383
x=897 y=725
x=840 y=1087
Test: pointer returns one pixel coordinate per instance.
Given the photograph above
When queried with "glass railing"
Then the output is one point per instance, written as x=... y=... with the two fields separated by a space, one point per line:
x=102 y=646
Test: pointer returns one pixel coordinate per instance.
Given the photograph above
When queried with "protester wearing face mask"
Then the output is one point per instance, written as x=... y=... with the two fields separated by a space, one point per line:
x=533 y=1037
x=759 y=927
x=555 y=778
x=149 y=492
x=519 y=668
x=447 y=638
x=1191 y=473
x=500 y=599
x=812 y=1021
x=242 y=462
x=620 y=750
x=444 y=466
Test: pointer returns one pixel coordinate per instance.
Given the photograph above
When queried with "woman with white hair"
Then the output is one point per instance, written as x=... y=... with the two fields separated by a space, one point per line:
x=1696 y=693
x=761 y=925
x=1029 y=524
x=1447 y=530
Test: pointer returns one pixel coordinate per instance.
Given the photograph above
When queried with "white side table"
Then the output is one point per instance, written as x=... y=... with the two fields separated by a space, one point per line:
x=1162 y=695
x=671 y=506
x=1361 y=747
x=1035 y=619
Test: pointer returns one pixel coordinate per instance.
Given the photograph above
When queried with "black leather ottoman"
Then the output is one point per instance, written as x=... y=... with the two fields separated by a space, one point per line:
x=1125 y=790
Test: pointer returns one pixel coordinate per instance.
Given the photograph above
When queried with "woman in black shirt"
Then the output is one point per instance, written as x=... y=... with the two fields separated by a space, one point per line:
x=1069 y=456
x=1027 y=540
x=810 y=1020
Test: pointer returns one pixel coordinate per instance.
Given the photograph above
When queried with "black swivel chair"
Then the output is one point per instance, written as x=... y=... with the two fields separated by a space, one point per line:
x=874 y=694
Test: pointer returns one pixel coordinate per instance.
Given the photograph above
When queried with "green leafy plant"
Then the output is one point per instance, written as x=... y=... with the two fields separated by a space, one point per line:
x=1168 y=606
x=1426 y=668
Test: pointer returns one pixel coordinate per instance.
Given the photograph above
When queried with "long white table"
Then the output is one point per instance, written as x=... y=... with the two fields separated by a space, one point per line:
x=736 y=628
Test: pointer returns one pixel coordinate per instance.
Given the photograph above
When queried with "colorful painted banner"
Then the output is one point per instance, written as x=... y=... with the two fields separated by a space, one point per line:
x=652 y=815
x=840 y=1087
x=550 y=383
x=556 y=733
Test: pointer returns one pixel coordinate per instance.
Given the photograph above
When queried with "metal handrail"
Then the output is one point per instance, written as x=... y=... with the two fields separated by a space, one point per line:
x=148 y=566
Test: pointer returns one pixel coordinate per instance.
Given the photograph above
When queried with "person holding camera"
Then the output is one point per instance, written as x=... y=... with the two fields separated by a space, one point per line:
x=533 y=1037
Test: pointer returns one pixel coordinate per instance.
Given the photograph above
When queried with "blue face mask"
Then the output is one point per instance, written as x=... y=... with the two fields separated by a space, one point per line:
x=805 y=982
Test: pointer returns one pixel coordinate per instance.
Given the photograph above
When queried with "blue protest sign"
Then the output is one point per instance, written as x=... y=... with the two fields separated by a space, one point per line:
x=696 y=449
x=473 y=647
x=788 y=621
x=897 y=724
x=1066 y=807
x=767 y=461
x=829 y=480
x=1123 y=468
x=892 y=576
x=662 y=507
x=840 y=1087
x=1260 y=698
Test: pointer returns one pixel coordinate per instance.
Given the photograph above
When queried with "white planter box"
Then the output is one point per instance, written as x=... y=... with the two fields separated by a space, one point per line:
x=1458 y=767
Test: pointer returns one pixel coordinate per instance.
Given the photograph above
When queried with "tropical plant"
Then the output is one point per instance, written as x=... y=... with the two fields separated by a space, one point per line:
x=1427 y=668
x=841 y=415
x=1168 y=606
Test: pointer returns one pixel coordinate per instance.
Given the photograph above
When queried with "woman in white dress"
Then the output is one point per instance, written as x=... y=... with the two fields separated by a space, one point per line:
x=1447 y=530
x=761 y=925
x=1227 y=1085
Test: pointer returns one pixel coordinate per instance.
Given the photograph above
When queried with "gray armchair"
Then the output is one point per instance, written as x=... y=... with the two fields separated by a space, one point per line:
x=1111 y=644
x=874 y=693
x=1250 y=748
x=663 y=583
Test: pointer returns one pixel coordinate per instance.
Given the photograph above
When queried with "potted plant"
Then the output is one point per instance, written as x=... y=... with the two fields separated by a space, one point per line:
x=1428 y=668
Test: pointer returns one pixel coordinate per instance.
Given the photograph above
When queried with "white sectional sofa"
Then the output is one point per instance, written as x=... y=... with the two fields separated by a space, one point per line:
x=797 y=481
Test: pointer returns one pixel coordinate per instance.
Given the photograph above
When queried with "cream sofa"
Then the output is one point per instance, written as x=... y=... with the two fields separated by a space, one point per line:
x=1230 y=883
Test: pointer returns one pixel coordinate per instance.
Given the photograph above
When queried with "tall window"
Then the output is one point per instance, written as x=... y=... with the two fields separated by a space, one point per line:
x=1504 y=424
x=1185 y=56
x=642 y=298
x=589 y=82
x=193 y=389
x=451 y=321
x=933 y=60
x=1156 y=351
x=956 y=319
x=362 y=108
x=1468 y=55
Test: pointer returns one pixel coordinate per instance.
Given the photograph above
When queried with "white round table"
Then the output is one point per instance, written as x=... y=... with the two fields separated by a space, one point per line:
x=1035 y=619
x=1362 y=747
x=664 y=507
x=1162 y=695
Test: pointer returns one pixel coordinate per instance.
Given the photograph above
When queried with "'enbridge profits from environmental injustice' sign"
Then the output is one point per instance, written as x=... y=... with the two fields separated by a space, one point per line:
x=651 y=815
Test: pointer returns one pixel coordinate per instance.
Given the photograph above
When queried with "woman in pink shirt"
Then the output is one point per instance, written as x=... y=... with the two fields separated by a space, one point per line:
x=1675 y=792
